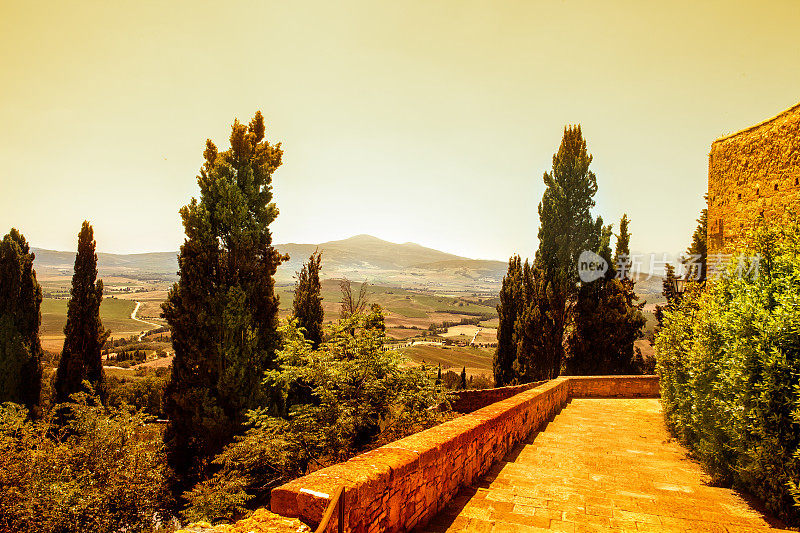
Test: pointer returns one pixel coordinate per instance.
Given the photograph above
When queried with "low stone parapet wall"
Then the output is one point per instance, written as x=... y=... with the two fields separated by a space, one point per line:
x=614 y=387
x=404 y=484
x=467 y=401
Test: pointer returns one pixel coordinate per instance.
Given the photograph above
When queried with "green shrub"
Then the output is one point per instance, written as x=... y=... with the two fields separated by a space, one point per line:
x=103 y=472
x=729 y=361
x=144 y=394
x=341 y=398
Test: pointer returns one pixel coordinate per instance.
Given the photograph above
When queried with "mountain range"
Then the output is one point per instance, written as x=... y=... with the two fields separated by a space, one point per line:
x=362 y=257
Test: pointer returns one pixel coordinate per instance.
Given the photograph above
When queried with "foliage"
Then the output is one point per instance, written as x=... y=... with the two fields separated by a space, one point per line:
x=670 y=294
x=622 y=250
x=607 y=322
x=538 y=334
x=510 y=306
x=223 y=310
x=529 y=346
x=145 y=394
x=104 y=472
x=84 y=335
x=606 y=318
x=360 y=395
x=351 y=303
x=729 y=361
x=540 y=303
x=566 y=224
x=307 y=307
x=566 y=227
x=20 y=300
x=697 y=253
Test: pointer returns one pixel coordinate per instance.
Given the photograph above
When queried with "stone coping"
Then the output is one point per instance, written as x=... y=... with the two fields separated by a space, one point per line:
x=756 y=126
x=403 y=484
x=467 y=401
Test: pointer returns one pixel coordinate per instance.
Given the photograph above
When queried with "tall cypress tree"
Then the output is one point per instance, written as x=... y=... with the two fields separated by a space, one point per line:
x=20 y=316
x=698 y=251
x=223 y=310
x=606 y=318
x=537 y=334
x=307 y=307
x=566 y=224
x=511 y=304
x=622 y=251
x=84 y=335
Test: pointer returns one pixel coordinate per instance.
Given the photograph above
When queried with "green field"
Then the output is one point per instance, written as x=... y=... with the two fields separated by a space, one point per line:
x=479 y=359
x=402 y=302
x=115 y=315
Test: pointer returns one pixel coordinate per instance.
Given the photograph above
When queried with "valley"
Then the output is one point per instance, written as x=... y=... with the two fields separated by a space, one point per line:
x=444 y=305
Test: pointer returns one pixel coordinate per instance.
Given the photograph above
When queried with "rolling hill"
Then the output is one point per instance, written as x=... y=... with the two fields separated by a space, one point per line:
x=362 y=257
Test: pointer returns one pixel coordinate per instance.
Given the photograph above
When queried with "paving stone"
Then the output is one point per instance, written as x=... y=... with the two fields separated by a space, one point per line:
x=601 y=465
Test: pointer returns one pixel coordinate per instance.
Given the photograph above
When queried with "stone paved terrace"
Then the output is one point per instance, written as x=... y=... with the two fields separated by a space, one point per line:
x=600 y=465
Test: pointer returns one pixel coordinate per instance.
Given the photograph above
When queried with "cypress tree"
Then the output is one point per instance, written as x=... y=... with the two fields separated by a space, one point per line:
x=622 y=251
x=566 y=226
x=20 y=316
x=84 y=335
x=307 y=307
x=510 y=306
x=223 y=310
x=463 y=384
x=538 y=339
x=668 y=285
x=607 y=319
x=698 y=251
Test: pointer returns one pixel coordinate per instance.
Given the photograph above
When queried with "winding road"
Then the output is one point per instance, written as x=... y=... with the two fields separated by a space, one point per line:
x=133 y=317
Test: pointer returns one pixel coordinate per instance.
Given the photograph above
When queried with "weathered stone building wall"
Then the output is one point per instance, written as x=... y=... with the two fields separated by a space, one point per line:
x=753 y=173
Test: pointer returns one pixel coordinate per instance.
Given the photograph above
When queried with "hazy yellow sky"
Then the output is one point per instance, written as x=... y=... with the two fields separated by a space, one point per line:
x=420 y=121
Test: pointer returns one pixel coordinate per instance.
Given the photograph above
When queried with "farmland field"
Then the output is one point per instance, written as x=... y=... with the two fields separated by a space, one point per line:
x=407 y=312
x=477 y=360
x=114 y=313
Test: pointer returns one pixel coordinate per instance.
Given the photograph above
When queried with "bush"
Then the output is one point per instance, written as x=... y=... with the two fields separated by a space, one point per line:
x=729 y=361
x=145 y=394
x=103 y=472
x=345 y=396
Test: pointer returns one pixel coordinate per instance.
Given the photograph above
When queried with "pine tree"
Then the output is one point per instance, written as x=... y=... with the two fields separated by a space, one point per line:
x=511 y=305
x=307 y=307
x=566 y=225
x=84 y=335
x=223 y=310
x=20 y=316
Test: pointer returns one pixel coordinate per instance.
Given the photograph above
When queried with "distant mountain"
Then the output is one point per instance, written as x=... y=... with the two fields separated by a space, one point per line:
x=365 y=252
x=359 y=257
x=158 y=265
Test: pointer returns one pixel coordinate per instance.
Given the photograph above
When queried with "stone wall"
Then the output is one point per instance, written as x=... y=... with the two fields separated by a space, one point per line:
x=467 y=401
x=753 y=173
x=404 y=484
x=614 y=387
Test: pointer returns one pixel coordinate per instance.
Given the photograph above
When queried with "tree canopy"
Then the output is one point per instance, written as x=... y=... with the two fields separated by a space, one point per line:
x=84 y=335
x=307 y=306
x=223 y=310
x=20 y=316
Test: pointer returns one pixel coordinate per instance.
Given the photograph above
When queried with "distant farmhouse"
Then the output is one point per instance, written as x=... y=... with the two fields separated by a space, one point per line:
x=753 y=173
